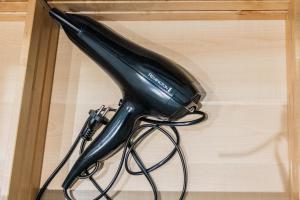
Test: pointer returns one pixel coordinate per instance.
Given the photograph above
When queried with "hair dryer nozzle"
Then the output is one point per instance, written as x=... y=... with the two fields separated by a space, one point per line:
x=63 y=19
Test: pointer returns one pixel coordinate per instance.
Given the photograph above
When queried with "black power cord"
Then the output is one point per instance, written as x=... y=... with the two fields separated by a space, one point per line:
x=154 y=124
x=58 y=168
x=131 y=144
x=97 y=119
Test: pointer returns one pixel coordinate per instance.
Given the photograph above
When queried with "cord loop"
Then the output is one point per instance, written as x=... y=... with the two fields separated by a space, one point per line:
x=97 y=119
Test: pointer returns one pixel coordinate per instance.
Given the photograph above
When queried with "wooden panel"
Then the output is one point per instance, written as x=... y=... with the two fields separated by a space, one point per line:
x=213 y=5
x=41 y=35
x=11 y=76
x=58 y=195
x=14 y=0
x=13 y=6
x=243 y=145
x=12 y=16
x=161 y=10
x=12 y=11
x=185 y=15
x=293 y=62
x=177 y=10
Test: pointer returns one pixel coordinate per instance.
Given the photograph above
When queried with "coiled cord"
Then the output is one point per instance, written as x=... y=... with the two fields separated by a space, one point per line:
x=131 y=144
x=135 y=138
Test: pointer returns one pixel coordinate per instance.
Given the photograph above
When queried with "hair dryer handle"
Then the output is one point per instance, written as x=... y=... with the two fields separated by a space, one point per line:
x=108 y=141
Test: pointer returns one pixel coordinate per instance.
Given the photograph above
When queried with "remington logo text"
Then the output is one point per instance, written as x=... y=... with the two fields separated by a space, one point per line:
x=159 y=82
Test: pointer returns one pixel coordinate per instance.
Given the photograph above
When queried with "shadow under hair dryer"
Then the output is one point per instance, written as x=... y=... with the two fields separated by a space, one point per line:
x=154 y=89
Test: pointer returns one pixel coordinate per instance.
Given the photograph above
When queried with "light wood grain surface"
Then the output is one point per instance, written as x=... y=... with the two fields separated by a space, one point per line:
x=151 y=5
x=13 y=6
x=177 y=10
x=242 y=65
x=297 y=111
x=58 y=195
x=160 y=9
x=11 y=81
x=13 y=11
x=293 y=61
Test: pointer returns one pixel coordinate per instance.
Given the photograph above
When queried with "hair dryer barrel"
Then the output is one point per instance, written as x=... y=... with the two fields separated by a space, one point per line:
x=165 y=88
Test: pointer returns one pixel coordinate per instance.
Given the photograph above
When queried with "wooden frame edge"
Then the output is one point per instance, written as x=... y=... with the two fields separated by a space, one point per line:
x=12 y=16
x=191 y=195
x=293 y=73
x=186 y=15
x=13 y=11
x=177 y=10
x=40 y=45
x=170 y=5
x=13 y=6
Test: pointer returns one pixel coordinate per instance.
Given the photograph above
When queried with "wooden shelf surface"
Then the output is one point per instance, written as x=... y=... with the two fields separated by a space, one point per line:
x=160 y=9
x=13 y=10
x=188 y=5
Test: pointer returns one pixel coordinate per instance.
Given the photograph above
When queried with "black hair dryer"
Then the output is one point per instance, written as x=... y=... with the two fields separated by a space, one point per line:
x=152 y=85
